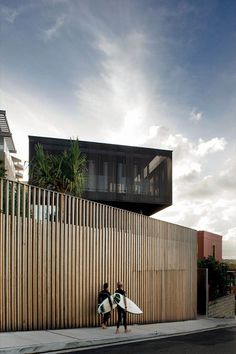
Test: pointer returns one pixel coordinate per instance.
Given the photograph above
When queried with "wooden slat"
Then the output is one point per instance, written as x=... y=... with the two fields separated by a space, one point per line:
x=2 y=258
x=53 y=262
x=8 y=260
x=68 y=270
x=29 y=226
x=78 y=265
x=73 y=261
x=15 y=251
x=58 y=257
x=83 y=270
x=43 y=304
x=62 y=261
x=22 y=222
x=49 y=259
x=39 y=256
x=34 y=269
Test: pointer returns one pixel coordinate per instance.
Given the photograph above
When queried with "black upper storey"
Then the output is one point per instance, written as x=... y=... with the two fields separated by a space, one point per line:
x=133 y=178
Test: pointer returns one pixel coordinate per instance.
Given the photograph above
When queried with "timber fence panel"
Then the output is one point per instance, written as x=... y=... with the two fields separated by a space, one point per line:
x=56 y=251
x=29 y=281
x=2 y=259
x=53 y=261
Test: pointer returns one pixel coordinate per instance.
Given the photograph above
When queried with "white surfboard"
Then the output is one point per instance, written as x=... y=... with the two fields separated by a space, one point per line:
x=105 y=306
x=131 y=306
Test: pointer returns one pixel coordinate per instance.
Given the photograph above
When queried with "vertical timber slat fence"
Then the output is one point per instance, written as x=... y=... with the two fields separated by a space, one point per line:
x=56 y=251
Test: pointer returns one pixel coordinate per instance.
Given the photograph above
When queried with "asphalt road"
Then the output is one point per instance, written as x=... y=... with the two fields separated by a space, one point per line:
x=221 y=341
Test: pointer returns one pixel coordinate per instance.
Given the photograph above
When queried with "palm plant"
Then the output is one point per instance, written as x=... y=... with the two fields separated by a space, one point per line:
x=64 y=172
x=72 y=164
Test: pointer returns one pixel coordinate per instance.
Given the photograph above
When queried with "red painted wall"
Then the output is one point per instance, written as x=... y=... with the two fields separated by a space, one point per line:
x=206 y=241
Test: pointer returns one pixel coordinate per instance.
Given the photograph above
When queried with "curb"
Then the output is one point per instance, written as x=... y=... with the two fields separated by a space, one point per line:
x=56 y=347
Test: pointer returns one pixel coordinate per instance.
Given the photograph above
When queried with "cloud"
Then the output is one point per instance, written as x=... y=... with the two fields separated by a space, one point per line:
x=54 y=30
x=229 y=243
x=119 y=97
x=189 y=156
x=211 y=146
x=31 y=115
x=195 y=115
x=8 y=14
x=214 y=215
x=203 y=199
x=231 y=234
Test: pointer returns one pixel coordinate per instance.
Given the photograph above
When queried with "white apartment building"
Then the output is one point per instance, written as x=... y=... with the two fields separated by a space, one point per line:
x=12 y=165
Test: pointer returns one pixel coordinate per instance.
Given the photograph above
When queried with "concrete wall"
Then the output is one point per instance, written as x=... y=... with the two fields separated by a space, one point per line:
x=5 y=156
x=223 y=307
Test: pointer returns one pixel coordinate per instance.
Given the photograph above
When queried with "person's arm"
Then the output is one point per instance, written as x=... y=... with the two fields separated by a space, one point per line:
x=110 y=302
x=99 y=298
x=125 y=301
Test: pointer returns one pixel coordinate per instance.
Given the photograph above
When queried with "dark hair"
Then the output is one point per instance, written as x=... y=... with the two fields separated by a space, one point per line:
x=105 y=286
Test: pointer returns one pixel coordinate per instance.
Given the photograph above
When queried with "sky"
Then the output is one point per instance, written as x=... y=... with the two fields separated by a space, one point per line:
x=159 y=74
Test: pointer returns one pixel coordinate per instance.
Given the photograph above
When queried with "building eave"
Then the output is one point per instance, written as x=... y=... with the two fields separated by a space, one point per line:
x=5 y=132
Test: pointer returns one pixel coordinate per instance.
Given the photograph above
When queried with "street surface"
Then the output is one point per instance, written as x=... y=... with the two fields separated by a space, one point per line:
x=221 y=341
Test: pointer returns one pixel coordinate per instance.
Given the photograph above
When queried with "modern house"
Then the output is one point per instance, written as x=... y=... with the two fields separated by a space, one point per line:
x=137 y=179
x=209 y=244
x=63 y=257
x=10 y=163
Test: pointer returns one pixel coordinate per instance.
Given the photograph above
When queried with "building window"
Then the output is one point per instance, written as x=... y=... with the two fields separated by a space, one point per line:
x=121 y=177
x=91 y=176
x=137 y=179
x=214 y=251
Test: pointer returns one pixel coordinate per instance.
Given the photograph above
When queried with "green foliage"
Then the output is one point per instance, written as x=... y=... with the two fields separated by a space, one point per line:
x=12 y=198
x=231 y=263
x=64 y=172
x=217 y=276
x=72 y=169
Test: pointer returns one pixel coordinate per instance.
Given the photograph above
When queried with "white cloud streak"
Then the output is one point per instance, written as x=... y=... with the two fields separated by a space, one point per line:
x=211 y=146
x=195 y=115
x=119 y=98
x=8 y=14
x=202 y=200
x=53 y=31
x=28 y=115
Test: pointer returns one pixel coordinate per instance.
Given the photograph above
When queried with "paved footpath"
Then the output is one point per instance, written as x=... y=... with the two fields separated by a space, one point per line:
x=55 y=340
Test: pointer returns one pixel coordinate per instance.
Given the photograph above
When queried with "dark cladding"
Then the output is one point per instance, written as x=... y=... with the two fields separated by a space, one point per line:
x=133 y=178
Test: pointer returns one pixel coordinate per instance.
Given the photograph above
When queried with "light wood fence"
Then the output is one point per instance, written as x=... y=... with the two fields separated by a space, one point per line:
x=56 y=251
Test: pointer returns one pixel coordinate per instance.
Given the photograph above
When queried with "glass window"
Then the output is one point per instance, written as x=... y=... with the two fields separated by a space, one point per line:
x=91 y=176
x=137 y=179
x=103 y=176
x=121 y=178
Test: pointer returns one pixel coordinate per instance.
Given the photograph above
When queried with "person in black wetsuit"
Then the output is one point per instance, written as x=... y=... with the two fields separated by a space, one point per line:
x=101 y=297
x=121 y=312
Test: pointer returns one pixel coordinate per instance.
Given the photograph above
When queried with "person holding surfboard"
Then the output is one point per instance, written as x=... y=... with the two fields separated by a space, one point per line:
x=122 y=313
x=104 y=294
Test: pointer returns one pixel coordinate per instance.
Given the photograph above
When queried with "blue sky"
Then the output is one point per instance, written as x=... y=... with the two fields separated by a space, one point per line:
x=146 y=73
